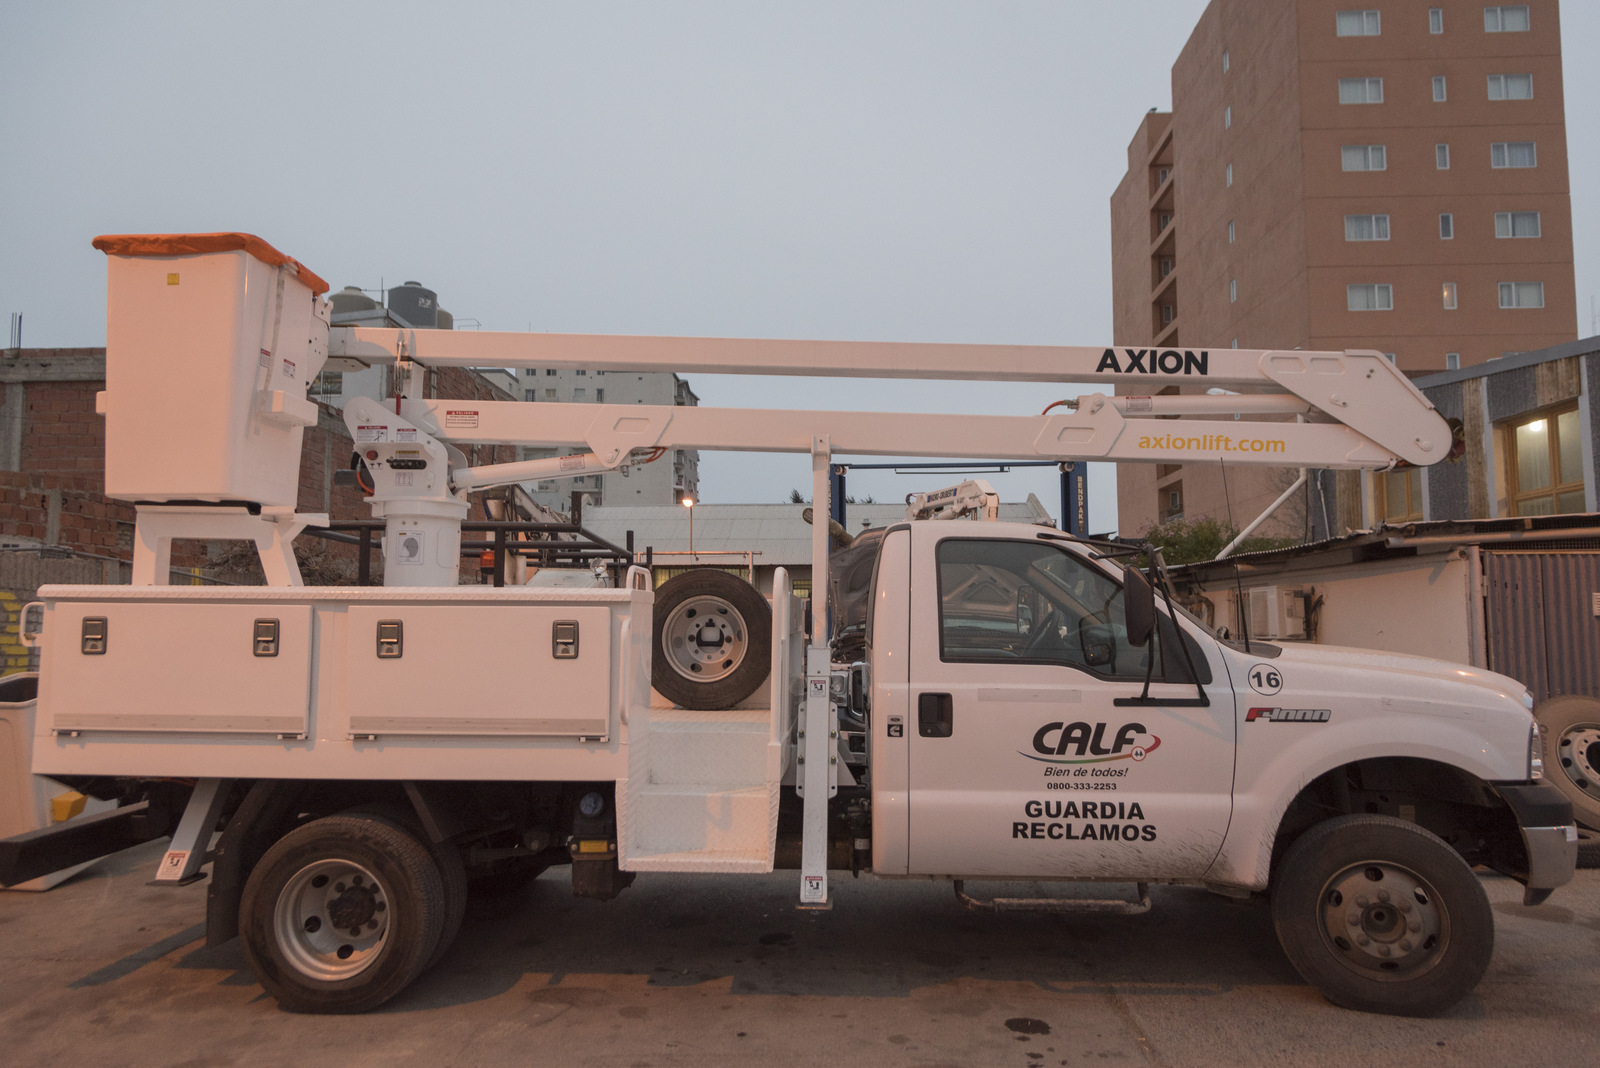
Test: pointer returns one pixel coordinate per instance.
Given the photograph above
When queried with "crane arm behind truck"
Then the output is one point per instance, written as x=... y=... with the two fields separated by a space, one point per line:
x=974 y=739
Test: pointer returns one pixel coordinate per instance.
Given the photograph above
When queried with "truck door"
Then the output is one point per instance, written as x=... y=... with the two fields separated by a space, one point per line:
x=1022 y=764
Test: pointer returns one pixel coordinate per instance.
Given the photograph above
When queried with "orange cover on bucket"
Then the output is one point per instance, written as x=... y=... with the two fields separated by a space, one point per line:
x=190 y=244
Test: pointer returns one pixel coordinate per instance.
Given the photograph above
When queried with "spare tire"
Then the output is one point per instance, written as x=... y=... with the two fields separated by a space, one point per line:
x=1570 y=730
x=713 y=639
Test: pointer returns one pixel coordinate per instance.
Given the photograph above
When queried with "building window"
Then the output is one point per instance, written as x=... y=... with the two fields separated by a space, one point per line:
x=1167 y=264
x=1377 y=297
x=1233 y=290
x=1366 y=227
x=1545 y=464
x=1224 y=61
x=1447 y=226
x=1438 y=89
x=549 y=394
x=1169 y=312
x=530 y=394
x=580 y=373
x=550 y=372
x=1513 y=154
x=600 y=396
x=1516 y=224
x=1227 y=117
x=1521 y=294
x=1230 y=231
x=1230 y=174
x=1162 y=174
x=1358 y=23
x=580 y=394
x=1449 y=296
x=1163 y=220
x=1441 y=157
x=1510 y=87
x=1436 y=20
x=327 y=384
x=1363 y=158
x=1505 y=18
x=1360 y=90
x=1452 y=361
x=1399 y=495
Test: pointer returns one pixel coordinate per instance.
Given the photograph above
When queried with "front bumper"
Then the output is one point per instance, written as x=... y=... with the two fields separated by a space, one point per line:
x=1544 y=816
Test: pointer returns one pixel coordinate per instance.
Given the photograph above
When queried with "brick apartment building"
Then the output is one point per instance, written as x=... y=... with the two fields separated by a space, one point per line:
x=1391 y=177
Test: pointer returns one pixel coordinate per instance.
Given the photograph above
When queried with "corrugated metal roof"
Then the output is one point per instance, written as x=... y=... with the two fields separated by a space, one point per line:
x=775 y=531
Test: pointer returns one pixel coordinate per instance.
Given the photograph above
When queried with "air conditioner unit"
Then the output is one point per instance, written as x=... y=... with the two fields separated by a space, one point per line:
x=1277 y=612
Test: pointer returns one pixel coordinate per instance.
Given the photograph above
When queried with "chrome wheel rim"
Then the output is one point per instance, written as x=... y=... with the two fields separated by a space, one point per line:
x=1384 y=921
x=1578 y=754
x=704 y=639
x=332 y=920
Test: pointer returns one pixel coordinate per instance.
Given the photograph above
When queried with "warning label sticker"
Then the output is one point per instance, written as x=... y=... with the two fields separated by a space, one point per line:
x=288 y=368
x=405 y=433
x=460 y=417
x=366 y=434
x=572 y=463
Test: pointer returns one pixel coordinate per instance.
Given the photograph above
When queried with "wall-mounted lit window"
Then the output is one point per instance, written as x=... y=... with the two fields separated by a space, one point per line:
x=1545 y=463
x=1449 y=296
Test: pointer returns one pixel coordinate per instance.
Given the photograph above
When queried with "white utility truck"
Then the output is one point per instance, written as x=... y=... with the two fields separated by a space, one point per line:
x=1002 y=702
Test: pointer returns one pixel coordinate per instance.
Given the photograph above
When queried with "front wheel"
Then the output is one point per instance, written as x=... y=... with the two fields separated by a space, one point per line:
x=341 y=914
x=1381 y=915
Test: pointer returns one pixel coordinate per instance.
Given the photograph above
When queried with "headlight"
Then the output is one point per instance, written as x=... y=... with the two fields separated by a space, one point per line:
x=1535 y=753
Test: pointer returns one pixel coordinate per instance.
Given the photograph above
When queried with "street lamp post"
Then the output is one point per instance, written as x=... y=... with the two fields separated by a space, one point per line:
x=688 y=502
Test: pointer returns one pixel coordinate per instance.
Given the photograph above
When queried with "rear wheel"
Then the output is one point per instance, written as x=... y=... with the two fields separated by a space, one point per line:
x=713 y=639
x=342 y=914
x=1381 y=915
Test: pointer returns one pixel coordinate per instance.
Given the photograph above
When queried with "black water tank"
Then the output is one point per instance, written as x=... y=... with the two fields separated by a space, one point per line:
x=416 y=304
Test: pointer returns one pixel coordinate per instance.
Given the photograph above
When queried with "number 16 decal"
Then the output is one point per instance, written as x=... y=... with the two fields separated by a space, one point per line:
x=1265 y=680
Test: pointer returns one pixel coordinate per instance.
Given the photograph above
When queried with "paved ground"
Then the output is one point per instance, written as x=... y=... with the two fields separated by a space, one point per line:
x=701 y=970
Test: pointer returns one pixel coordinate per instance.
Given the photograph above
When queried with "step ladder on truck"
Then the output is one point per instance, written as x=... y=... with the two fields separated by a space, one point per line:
x=999 y=701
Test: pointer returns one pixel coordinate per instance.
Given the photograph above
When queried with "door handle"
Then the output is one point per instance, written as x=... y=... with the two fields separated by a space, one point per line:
x=935 y=715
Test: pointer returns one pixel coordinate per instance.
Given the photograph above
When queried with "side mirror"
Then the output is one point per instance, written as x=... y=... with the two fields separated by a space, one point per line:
x=1099 y=645
x=1139 y=605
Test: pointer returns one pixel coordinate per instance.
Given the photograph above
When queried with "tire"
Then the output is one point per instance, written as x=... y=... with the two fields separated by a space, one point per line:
x=1416 y=938
x=1588 y=848
x=359 y=868
x=1570 y=730
x=446 y=857
x=712 y=640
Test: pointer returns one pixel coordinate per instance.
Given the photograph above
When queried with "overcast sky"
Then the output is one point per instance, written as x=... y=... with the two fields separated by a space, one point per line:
x=912 y=171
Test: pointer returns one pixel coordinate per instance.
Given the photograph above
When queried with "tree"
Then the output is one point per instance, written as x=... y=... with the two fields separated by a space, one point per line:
x=1188 y=541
